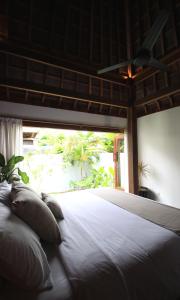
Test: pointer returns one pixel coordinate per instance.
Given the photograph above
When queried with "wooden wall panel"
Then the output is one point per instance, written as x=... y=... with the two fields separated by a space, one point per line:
x=153 y=88
x=60 y=44
x=144 y=13
x=60 y=87
x=80 y=31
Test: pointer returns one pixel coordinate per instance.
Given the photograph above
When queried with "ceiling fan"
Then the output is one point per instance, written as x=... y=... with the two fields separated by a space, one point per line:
x=144 y=56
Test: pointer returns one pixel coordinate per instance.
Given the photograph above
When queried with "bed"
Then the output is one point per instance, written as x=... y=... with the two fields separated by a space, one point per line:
x=114 y=246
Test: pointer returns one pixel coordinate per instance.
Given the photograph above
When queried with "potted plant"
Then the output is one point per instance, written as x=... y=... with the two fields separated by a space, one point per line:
x=143 y=171
x=9 y=171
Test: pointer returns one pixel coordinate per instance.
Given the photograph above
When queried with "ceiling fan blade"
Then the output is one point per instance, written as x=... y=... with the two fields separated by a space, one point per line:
x=114 y=67
x=155 y=30
x=158 y=65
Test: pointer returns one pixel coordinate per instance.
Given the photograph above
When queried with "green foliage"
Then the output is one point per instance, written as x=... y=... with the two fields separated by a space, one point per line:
x=108 y=142
x=54 y=142
x=73 y=146
x=98 y=178
x=2 y=160
x=7 y=170
x=143 y=171
x=121 y=146
x=81 y=150
x=23 y=176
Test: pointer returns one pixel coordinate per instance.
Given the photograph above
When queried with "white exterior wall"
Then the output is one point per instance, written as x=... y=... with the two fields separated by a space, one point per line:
x=159 y=147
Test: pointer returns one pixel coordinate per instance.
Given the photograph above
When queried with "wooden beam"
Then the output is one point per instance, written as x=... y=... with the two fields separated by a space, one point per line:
x=60 y=125
x=58 y=92
x=89 y=106
x=26 y=96
x=90 y=86
x=158 y=105
x=132 y=143
x=51 y=61
x=162 y=33
x=66 y=26
x=165 y=93
x=91 y=40
x=110 y=35
x=3 y=27
x=145 y=109
x=80 y=33
x=131 y=112
x=111 y=91
x=62 y=79
x=128 y=36
x=101 y=31
x=30 y=21
x=154 y=83
x=132 y=151
x=168 y=59
x=171 y=101
x=118 y=31
x=52 y=22
x=172 y=10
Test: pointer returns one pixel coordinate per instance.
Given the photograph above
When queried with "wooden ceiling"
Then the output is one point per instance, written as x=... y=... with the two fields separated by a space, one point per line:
x=50 y=51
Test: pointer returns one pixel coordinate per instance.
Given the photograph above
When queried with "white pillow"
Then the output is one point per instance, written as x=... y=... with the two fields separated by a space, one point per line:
x=22 y=259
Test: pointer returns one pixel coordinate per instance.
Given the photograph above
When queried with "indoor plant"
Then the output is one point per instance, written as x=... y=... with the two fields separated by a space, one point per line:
x=9 y=171
x=143 y=171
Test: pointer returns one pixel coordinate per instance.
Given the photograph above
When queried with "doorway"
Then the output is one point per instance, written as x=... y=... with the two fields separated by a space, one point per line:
x=59 y=160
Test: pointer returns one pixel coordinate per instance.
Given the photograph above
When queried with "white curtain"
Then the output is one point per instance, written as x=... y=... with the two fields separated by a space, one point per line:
x=11 y=137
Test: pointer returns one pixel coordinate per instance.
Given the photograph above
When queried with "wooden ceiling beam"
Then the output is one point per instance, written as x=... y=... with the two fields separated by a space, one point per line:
x=171 y=101
x=172 y=11
x=60 y=125
x=58 y=92
x=169 y=59
x=51 y=61
x=145 y=109
x=132 y=151
x=165 y=93
x=3 y=27
x=128 y=36
x=91 y=32
x=158 y=105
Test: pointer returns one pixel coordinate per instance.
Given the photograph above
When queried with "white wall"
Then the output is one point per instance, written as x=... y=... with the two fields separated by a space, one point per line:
x=159 y=147
x=40 y=113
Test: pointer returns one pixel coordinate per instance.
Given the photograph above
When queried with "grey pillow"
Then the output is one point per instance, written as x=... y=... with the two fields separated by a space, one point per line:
x=22 y=259
x=28 y=206
x=53 y=206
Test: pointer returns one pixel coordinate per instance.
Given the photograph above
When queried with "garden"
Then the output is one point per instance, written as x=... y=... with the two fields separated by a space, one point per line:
x=62 y=160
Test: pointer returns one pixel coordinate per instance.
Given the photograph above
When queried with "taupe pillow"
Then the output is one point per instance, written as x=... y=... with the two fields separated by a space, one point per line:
x=28 y=206
x=22 y=259
x=53 y=206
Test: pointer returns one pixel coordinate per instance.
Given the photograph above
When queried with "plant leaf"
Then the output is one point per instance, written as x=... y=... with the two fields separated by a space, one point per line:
x=24 y=176
x=10 y=164
x=8 y=168
x=17 y=159
x=2 y=160
x=11 y=160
